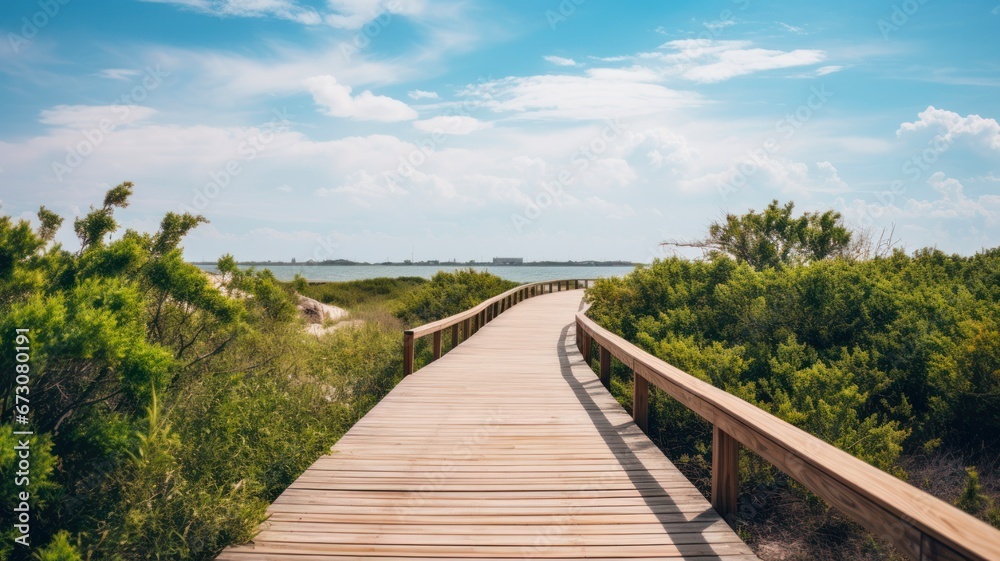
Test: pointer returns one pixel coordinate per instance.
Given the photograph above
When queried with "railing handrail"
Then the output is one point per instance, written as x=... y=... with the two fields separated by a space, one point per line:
x=920 y=525
x=482 y=313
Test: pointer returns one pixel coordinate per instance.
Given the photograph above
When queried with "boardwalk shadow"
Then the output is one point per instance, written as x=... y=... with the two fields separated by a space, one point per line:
x=652 y=492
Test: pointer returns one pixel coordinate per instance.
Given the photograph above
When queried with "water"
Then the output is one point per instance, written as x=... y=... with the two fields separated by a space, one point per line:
x=358 y=272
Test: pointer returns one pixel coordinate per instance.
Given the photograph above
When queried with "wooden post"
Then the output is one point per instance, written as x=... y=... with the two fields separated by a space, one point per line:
x=587 y=341
x=454 y=336
x=466 y=329
x=576 y=284
x=725 y=474
x=437 y=345
x=640 y=401
x=407 y=353
x=579 y=338
x=606 y=367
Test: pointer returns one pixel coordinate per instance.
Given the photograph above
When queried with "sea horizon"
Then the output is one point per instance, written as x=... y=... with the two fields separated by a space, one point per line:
x=516 y=273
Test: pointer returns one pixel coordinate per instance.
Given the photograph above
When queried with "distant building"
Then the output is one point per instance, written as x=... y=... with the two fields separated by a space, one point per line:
x=508 y=261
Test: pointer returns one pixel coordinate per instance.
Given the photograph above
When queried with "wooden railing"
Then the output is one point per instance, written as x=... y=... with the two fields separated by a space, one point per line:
x=920 y=525
x=464 y=324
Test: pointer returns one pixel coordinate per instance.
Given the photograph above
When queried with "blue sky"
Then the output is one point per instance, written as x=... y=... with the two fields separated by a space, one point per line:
x=573 y=129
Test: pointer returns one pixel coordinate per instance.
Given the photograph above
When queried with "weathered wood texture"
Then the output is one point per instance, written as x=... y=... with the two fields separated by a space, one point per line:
x=508 y=447
x=921 y=526
x=487 y=310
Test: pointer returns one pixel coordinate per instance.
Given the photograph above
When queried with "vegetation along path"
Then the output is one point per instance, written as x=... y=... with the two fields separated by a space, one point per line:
x=507 y=447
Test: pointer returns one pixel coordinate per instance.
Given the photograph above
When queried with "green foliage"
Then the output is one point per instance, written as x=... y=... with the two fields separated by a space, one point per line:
x=59 y=549
x=972 y=499
x=449 y=293
x=169 y=412
x=774 y=238
x=42 y=487
x=352 y=295
x=870 y=355
x=886 y=357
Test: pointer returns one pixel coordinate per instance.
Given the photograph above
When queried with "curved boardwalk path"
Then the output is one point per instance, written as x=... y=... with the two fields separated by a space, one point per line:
x=508 y=447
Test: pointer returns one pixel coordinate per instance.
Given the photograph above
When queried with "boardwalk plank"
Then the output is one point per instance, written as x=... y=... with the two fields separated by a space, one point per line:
x=508 y=447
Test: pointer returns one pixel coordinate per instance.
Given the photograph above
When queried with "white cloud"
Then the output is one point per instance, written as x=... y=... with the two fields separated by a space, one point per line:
x=91 y=116
x=711 y=61
x=421 y=94
x=631 y=74
x=610 y=210
x=578 y=97
x=560 y=61
x=950 y=126
x=792 y=28
x=452 y=124
x=281 y=9
x=353 y=14
x=824 y=70
x=337 y=101
x=342 y=14
x=953 y=204
x=118 y=73
x=719 y=25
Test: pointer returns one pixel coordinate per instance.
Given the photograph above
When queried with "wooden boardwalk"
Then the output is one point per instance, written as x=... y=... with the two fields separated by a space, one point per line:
x=508 y=447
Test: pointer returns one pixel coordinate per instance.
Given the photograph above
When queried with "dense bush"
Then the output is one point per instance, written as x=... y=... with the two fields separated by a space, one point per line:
x=168 y=413
x=449 y=293
x=354 y=294
x=882 y=358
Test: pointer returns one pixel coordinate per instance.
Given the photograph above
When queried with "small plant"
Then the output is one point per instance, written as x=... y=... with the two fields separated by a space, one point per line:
x=972 y=500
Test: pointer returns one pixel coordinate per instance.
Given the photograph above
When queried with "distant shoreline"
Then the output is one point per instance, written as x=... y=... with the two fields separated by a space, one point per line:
x=344 y=262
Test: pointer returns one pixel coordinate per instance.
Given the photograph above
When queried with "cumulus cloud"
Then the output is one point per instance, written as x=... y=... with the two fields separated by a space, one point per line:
x=952 y=204
x=452 y=124
x=337 y=101
x=949 y=126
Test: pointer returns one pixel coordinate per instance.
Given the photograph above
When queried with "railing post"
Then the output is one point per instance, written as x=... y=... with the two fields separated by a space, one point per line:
x=605 y=367
x=576 y=284
x=407 y=353
x=725 y=474
x=640 y=401
x=466 y=328
x=579 y=338
x=587 y=342
x=454 y=336
x=437 y=345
